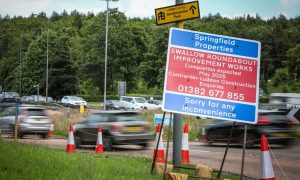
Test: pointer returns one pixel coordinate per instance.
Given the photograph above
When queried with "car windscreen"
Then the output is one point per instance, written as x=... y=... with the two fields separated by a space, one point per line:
x=140 y=100
x=97 y=117
x=121 y=117
x=35 y=112
x=74 y=98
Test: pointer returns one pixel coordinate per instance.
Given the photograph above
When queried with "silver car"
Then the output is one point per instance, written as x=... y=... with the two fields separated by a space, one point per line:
x=31 y=120
x=118 y=128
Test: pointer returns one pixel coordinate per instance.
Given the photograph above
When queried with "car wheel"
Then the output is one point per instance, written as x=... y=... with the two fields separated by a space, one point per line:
x=44 y=136
x=250 y=141
x=107 y=143
x=144 y=145
x=78 y=143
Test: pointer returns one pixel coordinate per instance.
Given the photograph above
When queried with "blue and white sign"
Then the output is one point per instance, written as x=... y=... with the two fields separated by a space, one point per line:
x=158 y=119
x=212 y=76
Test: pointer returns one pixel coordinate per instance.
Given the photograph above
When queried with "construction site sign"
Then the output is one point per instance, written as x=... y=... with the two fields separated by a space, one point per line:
x=212 y=75
x=177 y=13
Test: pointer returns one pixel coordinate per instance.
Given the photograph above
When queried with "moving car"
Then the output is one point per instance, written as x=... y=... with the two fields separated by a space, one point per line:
x=31 y=120
x=152 y=105
x=273 y=123
x=115 y=105
x=73 y=101
x=118 y=127
x=132 y=106
x=135 y=100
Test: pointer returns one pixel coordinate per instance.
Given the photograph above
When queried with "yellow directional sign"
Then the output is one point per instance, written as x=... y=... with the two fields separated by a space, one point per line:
x=177 y=13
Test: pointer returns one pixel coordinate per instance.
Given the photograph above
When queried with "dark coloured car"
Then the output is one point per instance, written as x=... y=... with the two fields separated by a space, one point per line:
x=115 y=105
x=274 y=124
x=118 y=128
x=31 y=120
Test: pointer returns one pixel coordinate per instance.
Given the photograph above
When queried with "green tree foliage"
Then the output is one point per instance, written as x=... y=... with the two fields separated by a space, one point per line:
x=137 y=51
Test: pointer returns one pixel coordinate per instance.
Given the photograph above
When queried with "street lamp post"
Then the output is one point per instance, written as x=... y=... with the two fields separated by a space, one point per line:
x=106 y=46
x=47 y=55
x=47 y=62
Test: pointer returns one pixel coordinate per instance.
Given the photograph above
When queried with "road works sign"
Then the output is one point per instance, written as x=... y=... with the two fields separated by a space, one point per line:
x=212 y=75
x=177 y=13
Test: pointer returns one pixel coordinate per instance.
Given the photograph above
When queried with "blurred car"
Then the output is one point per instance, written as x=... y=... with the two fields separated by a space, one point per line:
x=273 y=123
x=38 y=98
x=26 y=99
x=152 y=105
x=115 y=105
x=131 y=106
x=140 y=101
x=31 y=120
x=118 y=128
x=73 y=101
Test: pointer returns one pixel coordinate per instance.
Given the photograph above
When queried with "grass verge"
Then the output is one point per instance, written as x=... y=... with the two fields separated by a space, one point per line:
x=22 y=161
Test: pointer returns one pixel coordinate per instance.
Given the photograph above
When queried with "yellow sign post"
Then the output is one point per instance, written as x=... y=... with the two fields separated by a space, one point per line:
x=177 y=13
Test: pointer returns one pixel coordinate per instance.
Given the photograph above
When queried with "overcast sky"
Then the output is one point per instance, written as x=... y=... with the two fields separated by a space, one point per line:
x=145 y=8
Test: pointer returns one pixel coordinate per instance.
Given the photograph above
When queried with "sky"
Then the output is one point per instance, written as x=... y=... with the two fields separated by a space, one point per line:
x=146 y=8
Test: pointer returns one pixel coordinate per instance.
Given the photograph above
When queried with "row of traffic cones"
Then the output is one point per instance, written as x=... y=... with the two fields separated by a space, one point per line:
x=160 y=155
x=267 y=172
x=71 y=146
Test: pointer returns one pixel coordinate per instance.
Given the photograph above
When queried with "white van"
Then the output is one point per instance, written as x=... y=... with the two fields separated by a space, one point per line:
x=290 y=99
x=135 y=100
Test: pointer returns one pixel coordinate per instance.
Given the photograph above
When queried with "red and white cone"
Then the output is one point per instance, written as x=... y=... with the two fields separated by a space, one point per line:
x=99 y=144
x=74 y=125
x=267 y=172
x=51 y=131
x=203 y=135
x=160 y=154
x=70 y=145
x=185 y=152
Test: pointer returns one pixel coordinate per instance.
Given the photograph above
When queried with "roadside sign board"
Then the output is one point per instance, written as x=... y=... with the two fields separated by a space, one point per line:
x=212 y=76
x=177 y=13
x=158 y=119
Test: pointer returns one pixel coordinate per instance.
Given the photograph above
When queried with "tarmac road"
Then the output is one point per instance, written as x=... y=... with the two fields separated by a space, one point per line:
x=287 y=158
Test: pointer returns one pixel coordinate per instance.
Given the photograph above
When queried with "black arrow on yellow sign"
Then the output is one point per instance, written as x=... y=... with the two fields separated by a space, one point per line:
x=193 y=8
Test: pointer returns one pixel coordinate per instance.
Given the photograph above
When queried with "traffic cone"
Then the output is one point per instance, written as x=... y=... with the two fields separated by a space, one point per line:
x=185 y=152
x=267 y=172
x=51 y=131
x=203 y=135
x=74 y=125
x=99 y=144
x=160 y=155
x=70 y=145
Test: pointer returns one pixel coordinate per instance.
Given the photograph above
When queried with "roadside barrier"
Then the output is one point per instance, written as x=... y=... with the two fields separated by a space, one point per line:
x=70 y=145
x=267 y=172
x=99 y=144
x=160 y=155
x=51 y=131
x=185 y=152
x=203 y=135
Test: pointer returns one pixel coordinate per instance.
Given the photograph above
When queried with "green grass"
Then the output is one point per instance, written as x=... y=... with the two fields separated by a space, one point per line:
x=28 y=161
x=22 y=161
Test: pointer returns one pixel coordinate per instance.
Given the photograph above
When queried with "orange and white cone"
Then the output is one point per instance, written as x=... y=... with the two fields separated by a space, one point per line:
x=51 y=131
x=185 y=152
x=99 y=144
x=203 y=135
x=160 y=154
x=70 y=145
x=267 y=172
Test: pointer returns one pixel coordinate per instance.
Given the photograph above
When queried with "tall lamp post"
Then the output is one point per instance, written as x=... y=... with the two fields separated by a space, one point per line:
x=47 y=55
x=47 y=62
x=105 y=61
